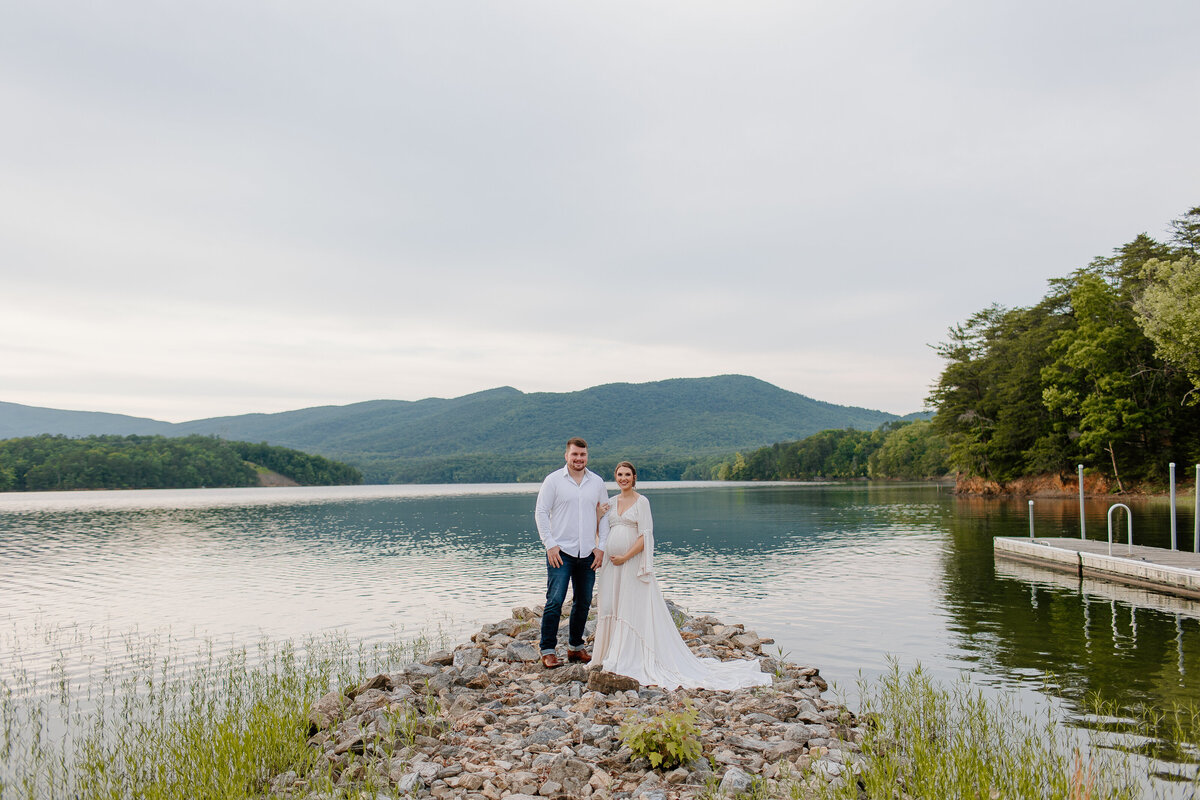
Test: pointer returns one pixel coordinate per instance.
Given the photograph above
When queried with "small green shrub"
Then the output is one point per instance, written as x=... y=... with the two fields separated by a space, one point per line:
x=667 y=740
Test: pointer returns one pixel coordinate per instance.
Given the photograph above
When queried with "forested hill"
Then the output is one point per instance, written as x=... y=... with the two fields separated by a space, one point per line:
x=47 y=463
x=675 y=428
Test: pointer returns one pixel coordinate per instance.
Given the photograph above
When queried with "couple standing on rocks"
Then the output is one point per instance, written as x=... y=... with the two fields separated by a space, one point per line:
x=591 y=538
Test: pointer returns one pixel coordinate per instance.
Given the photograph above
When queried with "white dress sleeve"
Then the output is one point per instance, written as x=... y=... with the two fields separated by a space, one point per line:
x=645 y=523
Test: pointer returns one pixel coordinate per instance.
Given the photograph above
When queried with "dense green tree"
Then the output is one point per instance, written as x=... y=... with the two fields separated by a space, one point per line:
x=988 y=397
x=1168 y=311
x=915 y=450
x=1075 y=377
x=1104 y=378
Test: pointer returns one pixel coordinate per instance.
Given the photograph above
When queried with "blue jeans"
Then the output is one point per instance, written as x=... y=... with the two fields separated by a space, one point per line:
x=579 y=573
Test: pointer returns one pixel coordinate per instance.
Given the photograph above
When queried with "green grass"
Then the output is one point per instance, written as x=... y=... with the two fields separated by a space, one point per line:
x=929 y=740
x=140 y=717
x=148 y=717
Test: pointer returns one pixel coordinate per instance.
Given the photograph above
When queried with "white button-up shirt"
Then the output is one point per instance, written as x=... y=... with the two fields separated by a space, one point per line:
x=566 y=512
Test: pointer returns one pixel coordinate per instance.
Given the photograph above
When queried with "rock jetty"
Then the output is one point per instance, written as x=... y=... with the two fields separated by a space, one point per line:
x=486 y=721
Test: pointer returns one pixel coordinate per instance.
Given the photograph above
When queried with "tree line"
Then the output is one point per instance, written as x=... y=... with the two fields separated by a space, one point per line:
x=56 y=462
x=912 y=450
x=1104 y=371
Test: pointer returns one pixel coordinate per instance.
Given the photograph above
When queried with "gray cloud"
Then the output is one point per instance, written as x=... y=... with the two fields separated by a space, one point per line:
x=762 y=188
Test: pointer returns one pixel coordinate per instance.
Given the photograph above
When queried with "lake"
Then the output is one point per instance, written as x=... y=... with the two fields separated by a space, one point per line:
x=842 y=576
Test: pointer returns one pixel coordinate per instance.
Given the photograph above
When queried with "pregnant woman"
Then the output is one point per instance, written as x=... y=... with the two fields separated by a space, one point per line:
x=635 y=634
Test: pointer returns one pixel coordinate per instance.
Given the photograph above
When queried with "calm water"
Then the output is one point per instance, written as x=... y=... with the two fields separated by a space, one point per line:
x=841 y=576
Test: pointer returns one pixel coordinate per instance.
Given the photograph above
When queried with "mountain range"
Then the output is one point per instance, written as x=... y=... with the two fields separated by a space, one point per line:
x=670 y=428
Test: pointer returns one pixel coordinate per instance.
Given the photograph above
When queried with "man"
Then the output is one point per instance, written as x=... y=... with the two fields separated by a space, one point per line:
x=566 y=521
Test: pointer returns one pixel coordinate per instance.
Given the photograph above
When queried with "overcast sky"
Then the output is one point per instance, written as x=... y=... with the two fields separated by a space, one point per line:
x=225 y=207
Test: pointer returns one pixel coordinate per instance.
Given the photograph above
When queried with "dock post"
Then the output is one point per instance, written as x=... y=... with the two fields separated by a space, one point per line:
x=1030 y=519
x=1196 y=513
x=1083 y=522
x=1174 y=532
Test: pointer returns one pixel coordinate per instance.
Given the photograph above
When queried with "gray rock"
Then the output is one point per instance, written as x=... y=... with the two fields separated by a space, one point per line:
x=784 y=710
x=442 y=658
x=327 y=711
x=747 y=641
x=476 y=678
x=519 y=651
x=443 y=680
x=589 y=753
x=571 y=672
x=369 y=700
x=468 y=657
x=593 y=732
x=734 y=781
x=526 y=614
x=766 y=719
x=572 y=773
x=650 y=784
x=746 y=743
x=281 y=782
x=427 y=770
x=415 y=670
x=780 y=750
x=505 y=627
x=544 y=736
x=802 y=733
x=409 y=783
x=609 y=682
x=544 y=760
x=382 y=682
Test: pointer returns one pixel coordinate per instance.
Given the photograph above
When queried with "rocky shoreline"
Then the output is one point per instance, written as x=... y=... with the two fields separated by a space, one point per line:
x=486 y=721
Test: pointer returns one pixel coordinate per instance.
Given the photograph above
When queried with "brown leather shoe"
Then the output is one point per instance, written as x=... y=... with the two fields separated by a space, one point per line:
x=550 y=661
x=581 y=656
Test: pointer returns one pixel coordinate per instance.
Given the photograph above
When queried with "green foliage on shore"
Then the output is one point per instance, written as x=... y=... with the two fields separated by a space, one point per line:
x=304 y=468
x=1076 y=378
x=910 y=450
x=530 y=468
x=49 y=463
x=140 y=717
x=666 y=740
x=929 y=740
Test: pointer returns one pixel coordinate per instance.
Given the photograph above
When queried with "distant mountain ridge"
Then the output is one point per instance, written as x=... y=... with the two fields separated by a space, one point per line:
x=505 y=433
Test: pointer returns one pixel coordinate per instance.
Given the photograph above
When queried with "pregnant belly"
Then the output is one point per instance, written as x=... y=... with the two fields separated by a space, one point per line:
x=621 y=538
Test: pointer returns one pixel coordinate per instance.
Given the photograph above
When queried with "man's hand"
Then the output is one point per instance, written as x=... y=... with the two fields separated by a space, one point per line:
x=597 y=558
x=553 y=557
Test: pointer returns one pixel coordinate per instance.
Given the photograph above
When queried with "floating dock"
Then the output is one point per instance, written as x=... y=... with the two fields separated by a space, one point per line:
x=1171 y=571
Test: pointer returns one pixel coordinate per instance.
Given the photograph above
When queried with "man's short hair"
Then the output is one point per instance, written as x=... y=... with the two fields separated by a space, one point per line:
x=575 y=441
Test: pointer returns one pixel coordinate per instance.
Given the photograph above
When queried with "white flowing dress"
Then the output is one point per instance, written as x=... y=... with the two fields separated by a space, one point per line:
x=635 y=634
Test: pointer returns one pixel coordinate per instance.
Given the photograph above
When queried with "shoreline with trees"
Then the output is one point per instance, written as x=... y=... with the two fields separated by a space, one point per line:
x=61 y=463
